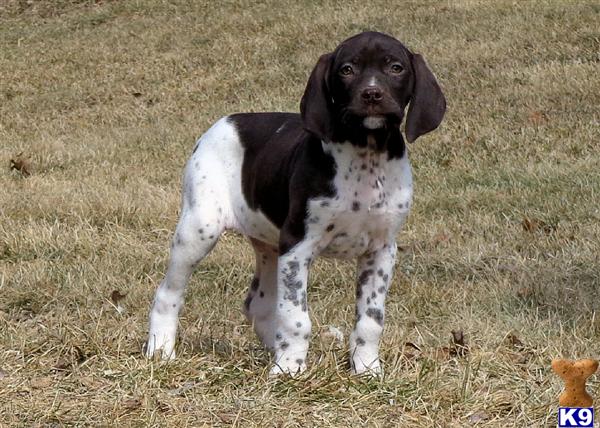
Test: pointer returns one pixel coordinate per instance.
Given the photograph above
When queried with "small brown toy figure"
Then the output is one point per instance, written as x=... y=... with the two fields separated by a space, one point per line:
x=574 y=374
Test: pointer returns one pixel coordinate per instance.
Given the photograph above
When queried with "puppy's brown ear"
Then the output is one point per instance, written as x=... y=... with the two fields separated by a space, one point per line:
x=315 y=106
x=427 y=104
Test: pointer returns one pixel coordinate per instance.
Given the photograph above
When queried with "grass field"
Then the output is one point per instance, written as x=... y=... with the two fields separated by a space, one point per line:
x=100 y=105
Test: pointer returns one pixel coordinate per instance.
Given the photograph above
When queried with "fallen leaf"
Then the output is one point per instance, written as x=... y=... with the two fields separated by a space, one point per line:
x=502 y=400
x=62 y=364
x=458 y=340
x=529 y=225
x=91 y=382
x=537 y=117
x=514 y=341
x=22 y=164
x=520 y=353
x=116 y=297
x=226 y=418
x=443 y=353
x=458 y=348
x=412 y=345
x=136 y=94
x=520 y=358
x=73 y=356
x=440 y=238
x=41 y=382
x=78 y=354
x=458 y=337
x=410 y=351
x=533 y=225
x=131 y=403
x=411 y=321
x=182 y=389
x=163 y=407
x=478 y=417
x=525 y=292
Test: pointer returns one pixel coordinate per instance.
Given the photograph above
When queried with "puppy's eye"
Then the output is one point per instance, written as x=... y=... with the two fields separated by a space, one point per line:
x=396 y=68
x=346 y=70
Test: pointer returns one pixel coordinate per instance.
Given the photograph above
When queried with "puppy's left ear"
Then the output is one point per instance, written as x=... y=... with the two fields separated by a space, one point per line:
x=315 y=106
x=427 y=104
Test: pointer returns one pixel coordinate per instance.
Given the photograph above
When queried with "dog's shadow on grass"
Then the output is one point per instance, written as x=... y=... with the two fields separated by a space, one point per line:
x=249 y=353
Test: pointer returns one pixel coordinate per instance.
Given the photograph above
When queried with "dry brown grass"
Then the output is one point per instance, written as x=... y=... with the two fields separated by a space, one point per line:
x=105 y=99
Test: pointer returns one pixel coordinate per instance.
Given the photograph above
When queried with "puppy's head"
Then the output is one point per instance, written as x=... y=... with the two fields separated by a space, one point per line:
x=366 y=83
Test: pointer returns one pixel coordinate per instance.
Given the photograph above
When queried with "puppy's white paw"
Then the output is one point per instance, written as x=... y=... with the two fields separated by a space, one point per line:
x=373 y=369
x=165 y=348
x=291 y=368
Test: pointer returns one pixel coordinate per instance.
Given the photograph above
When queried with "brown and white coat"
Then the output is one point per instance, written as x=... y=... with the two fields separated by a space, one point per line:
x=333 y=181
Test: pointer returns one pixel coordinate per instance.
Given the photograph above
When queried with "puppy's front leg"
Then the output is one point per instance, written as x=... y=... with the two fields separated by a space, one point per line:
x=374 y=275
x=292 y=330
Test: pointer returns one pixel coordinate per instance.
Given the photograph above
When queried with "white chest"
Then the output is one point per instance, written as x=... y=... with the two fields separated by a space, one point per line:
x=372 y=200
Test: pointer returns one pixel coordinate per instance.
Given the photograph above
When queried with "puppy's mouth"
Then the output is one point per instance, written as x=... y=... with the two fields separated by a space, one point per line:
x=373 y=116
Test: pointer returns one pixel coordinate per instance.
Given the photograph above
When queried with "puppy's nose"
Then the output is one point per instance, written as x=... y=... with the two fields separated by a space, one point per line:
x=372 y=94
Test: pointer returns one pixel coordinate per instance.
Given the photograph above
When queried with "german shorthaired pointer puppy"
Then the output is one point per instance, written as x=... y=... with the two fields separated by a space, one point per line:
x=334 y=180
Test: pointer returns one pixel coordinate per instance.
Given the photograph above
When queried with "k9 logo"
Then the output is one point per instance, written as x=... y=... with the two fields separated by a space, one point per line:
x=575 y=417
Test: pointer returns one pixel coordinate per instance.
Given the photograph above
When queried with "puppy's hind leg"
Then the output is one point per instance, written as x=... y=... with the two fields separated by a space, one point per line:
x=259 y=306
x=197 y=233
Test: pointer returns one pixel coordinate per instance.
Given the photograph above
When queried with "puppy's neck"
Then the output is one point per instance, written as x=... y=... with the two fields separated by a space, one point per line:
x=386 y=139
x=355 y=162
